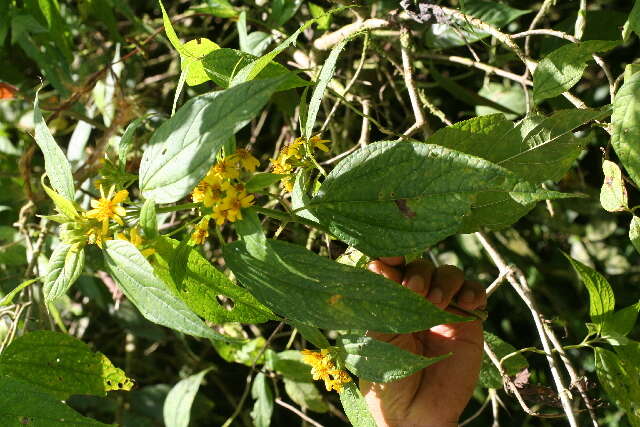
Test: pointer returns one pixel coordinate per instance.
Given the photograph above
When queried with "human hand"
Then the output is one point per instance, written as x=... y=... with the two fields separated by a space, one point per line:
x=437 y=395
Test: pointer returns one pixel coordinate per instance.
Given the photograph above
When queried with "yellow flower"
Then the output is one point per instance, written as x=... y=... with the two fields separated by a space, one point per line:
x=319 y=143
x=208 y=192
x=201 y=233
x=226 y=169
x=220 y=214
x=136 y=240
x=323 y=368
x=244 y=158
x=235 y=202
x=95 y=236
x=108 y=207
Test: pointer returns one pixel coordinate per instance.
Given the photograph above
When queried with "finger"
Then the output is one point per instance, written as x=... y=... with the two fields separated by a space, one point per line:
x=385 y=270
x=471 y=296
x=392 y=260
x=446 y=282
x=418 y=275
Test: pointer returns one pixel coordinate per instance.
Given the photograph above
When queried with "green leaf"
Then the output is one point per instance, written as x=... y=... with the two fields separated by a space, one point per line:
x=171 y=34
x=509 y=96
x=300 y=285
x=65 y=266
x=263 y=407
x=184 y=147
x=459 y=33
x=633 y=22
x=204 y=289
x=246 y=352
x=560 y=70
x=148 y=219
x=55 y=162
x=222 y=64
x=151 y=296
x=283 y=10
x=622 y=321
x=261 y=181
x=306 y=395
x=60 y=365
x=634 y=232
x=192 y=64
x=65 y=206
x=177 y=405
x=219 y=8
x=394 y=198
x=381 y=362
x=289 y=363
x=324 y=20
x=21 y=404
x=625 y=124
x=313 y=335
x=613 y=195
x=8 y=298
x=125 y=141
x=601 y=298
x=326 y=74
x=355 y=407
x=619 y=378
x=489 y=375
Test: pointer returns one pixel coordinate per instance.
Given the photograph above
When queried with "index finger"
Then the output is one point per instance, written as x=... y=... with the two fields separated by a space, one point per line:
x=392 y=260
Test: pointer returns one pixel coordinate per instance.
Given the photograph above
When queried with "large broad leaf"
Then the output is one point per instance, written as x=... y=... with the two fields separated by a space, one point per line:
x=206 y=290
x=394 y=198
x=177 y=406
x=489 y=375
x=65 y=265
x=184 y=147
x=55 y=162
x=220 y=66
x=21 y=404
x=149 y=294
x=619 y=378
x=381 y=362
x=355 y=407
x=601 y=298
x=459 y=33
x=61 y=366
x=537 y=149
x=625 y=123
x=563 y=67
x=317 y=291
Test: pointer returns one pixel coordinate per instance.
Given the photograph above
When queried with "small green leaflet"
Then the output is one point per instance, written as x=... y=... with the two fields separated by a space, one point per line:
x=148 y=219
x=613 y=195
x=177 y=405
x=489 y=375
x=313 y=290
x=21 y=403
x=65 y=266
x=563 y=68
x=60 y=365
x=55 y=162
x=150 y=295
x=263 y=396
x=326 y=74
x=379 y=361
x=306 y=395
x=601 y=298
x=183 y=148
x=289 y=364
x=355 y=406
x=260 y=181
x=625 y=124
x=619 y=379
x=634 y=232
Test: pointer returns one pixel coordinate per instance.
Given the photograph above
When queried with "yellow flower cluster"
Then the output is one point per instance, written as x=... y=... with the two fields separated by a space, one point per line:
x=223 y=191
x=322 y=367
x=292 y=156
x=106 y=208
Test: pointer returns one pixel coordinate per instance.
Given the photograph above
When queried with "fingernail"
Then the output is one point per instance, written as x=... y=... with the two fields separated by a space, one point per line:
x=467 y=296
x=435 y=295
x=416 y=284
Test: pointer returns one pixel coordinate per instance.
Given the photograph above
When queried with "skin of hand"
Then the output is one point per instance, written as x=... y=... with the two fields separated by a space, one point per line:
x=437 y=395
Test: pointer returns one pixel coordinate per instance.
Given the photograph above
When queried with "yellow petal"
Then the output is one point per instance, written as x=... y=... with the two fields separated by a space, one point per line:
x=95 y=203
x=119 y=210
x=105 y=226
x=120 y=196
x=118 y=220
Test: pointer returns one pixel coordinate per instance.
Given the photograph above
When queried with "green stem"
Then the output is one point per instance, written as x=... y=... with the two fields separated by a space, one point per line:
x=175 y=208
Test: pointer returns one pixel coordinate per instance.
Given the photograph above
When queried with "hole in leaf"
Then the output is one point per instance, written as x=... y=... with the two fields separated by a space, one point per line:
x=225 y=302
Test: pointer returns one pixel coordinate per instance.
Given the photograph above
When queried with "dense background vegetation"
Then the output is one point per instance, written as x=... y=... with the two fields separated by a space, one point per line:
x=105 y=63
